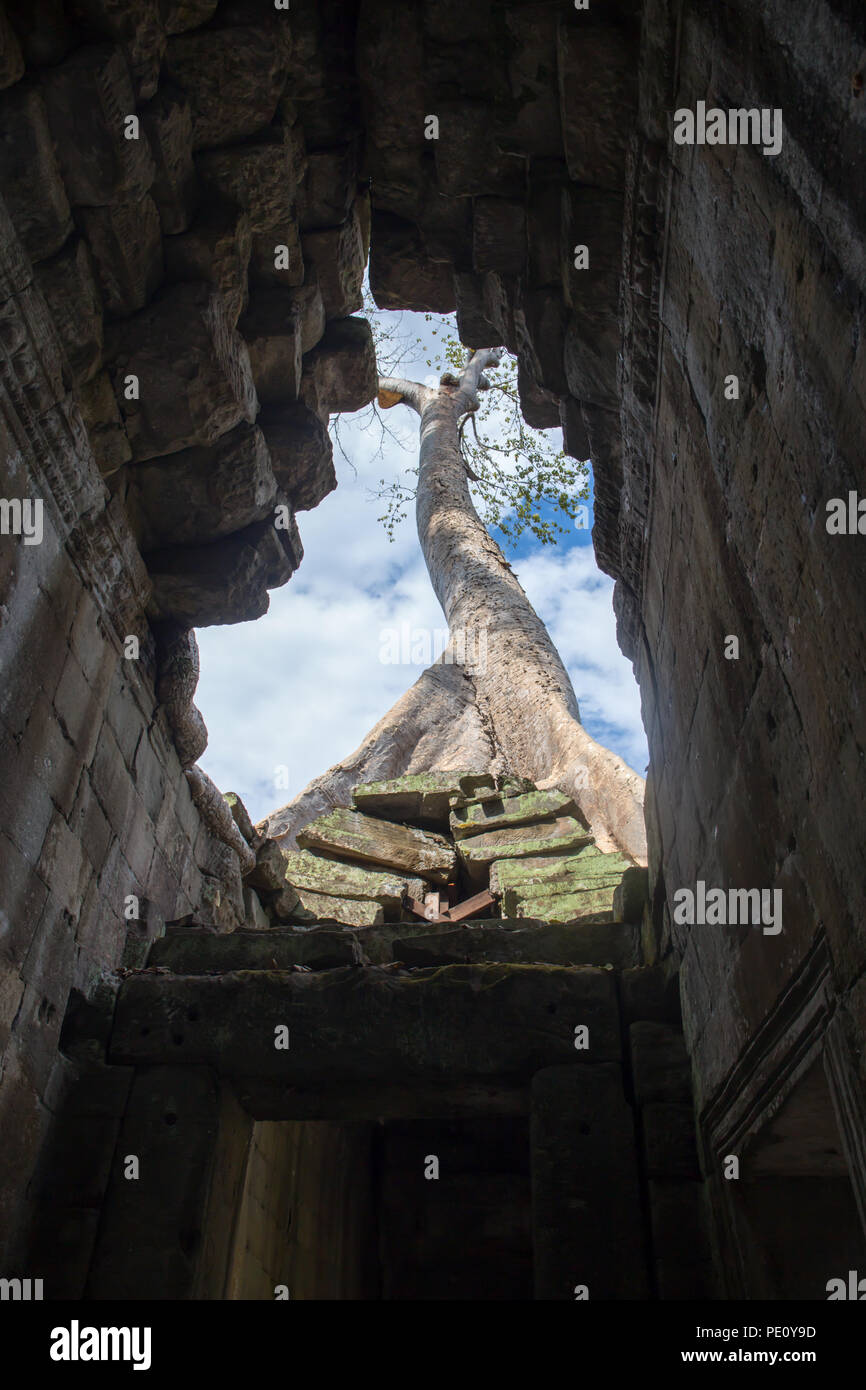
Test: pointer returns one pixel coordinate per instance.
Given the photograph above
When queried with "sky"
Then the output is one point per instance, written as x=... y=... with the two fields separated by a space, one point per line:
x=287 y=696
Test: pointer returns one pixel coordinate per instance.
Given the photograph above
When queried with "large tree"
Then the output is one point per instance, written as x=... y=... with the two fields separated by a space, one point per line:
x=499 y=697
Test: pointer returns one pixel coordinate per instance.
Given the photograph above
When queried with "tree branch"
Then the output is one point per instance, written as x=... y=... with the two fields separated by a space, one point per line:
x=472 y=375
x=410 y=393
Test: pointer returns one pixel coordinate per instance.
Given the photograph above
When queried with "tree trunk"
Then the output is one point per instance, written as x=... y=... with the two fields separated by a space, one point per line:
x=514 y=708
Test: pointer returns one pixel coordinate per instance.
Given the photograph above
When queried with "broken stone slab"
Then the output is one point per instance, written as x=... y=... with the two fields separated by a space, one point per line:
x=323 y=907
x=500 y=813
x=191 y=951
x=233 y=78
x=570 y=888
x=33 y=189
x=448 y=1024
x=402 y=275
x=272 y=331
x=193 y=369
x=216 y=248
x=254 y=914
x=329 y=186
x=507 y=940
x=281 y=905
x=88 y=96
x=422 y=796
x=167 y=122
x=241 y=818
x=226 y=581
x=204 y=493
x=343 y=366
x=126 y=243
x=270 y=871
x=478 y=853
x=307 y=302
x=301 y=452
x=305 y=871
x=403 y=848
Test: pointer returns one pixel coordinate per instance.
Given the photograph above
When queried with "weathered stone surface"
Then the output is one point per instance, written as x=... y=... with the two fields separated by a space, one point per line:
x=338 y=255
x=329 y=187
x=272 y=331
x=302 y=454
x=41 y=28
x=403 y=848
x=127 y=250
x=498 y=236
x=423 y=796
x=167 y=123
x=660 y=1064
x=105 y=428
x=32 y=187
x=402 y=275
x=87 y=98
x=473 y=326
x=254 y=914
x=525 y=941
x=261 y=177
x=631 y=897
x=531 y=808
x=597 y=91
x=191 y=951
x=194 y=374
x=226 y=581
x=179 y=15
x=233 y=78
x=138 y=30
x=343 y=366
x=478 y=853
x=204 y=493
x=449 y=1024
x=270 y=871
x=308 y=872
x=69 y=286
x=559 y=889
x=216 y=248
x=651 y=992
x=323 y=907
x=683 y=1265
x=586 y=1212
x=307 y=301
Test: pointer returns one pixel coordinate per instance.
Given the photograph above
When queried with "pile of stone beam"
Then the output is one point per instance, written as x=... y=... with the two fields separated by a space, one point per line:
x=447 y=847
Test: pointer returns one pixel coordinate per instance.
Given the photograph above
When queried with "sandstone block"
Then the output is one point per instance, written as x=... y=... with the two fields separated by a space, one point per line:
x=500 y=813
x=11 y=57
x=226 y=581
x=126 y=243
x=233 y=78
x=660 y=1064
x=472 y=322
x=498 y=236
x=32 y=186
x=338 y=256
x=478 y=853
x=307 y=872
x=167 y=122
x=520 y=942
x=203 y=493
x=402 y=276
x=540 y=408
x=569 y=889
x=99 y=411
x=302 y=454
x=191 y=951
x=261 y=177
x=270 y=871
x=216 y=248
x=193 y=369
x=69 y=285
x=307 y=301
x=179 y=15
x=423 y=796
x=138 y=30
x=597 y=93
x=383 y=843
x=272 y=331
x=329 y=187
x=322 y=907
x=669 y=1140
x=87 y=97
x=631 y=896
x=343 y=366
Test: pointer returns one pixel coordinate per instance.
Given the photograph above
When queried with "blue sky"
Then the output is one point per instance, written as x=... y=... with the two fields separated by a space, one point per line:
x=289 y=695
